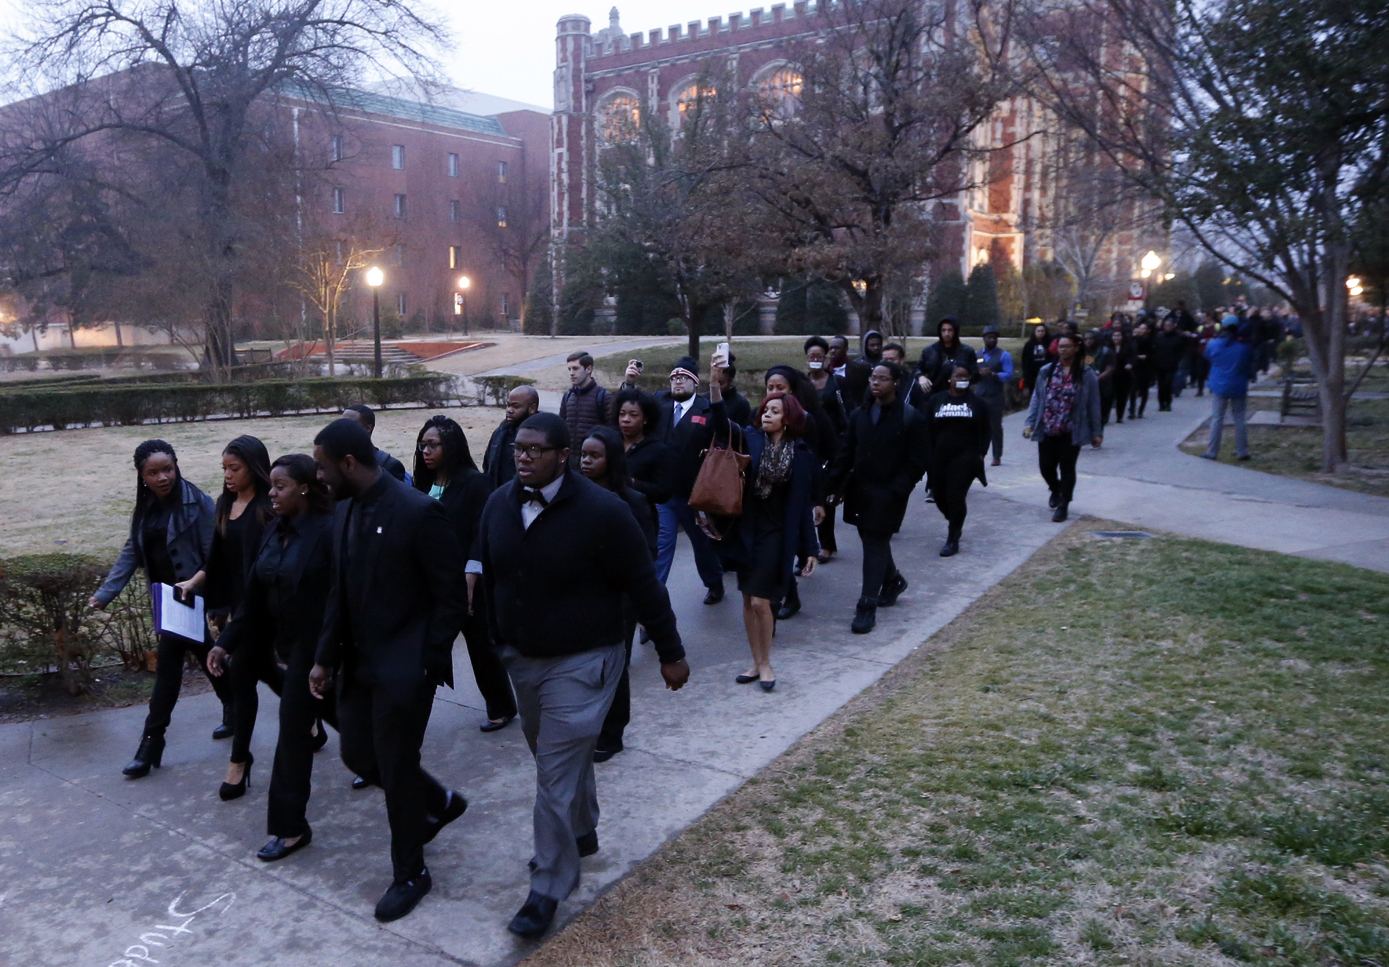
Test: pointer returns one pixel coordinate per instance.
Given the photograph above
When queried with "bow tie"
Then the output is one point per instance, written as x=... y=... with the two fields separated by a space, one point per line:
x=524 y=495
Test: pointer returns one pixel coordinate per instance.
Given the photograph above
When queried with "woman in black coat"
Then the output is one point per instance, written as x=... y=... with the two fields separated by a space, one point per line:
x=647 y=459
x=1122 y=381
x=1035 y=354
x=170 y=539
x=445 y=470
x=243 y=511
x=823 y=439
x=780 y=512
x=603 y=460
x=958 y=433
x=286 y=594
x=1142 y=370
x=883 y=457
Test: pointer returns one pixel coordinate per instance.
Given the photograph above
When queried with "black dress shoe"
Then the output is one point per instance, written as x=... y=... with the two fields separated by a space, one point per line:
x=401 y=898
x=235 y=790
x=361 y=782
x=1053 y=500
x=490 y=726
x=788 y=609
x=865 y=616
x=714 y=596
x=603 y=755
x=950 y=548
x=150 y=752
x=455 y=807
x=1061 y=511
x=227 y=729
x=535 y=915
x=587 y=843
x=277 y=850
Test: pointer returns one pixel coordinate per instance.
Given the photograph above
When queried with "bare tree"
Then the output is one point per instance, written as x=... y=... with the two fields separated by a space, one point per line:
x=326 y=269
x=1259 y=124
x=513 y=221
x=882 y=132
x=194 y=77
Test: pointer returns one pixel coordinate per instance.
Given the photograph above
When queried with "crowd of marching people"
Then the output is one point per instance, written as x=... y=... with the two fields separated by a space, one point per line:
x=341 y=578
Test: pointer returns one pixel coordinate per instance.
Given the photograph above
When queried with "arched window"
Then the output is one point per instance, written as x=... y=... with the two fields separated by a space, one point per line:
x=619 y=118
x=687 y=96
x=779 y=91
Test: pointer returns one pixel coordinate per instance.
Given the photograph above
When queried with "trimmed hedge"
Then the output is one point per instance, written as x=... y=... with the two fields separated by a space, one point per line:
x=494 y=390
x=103 y=405
x=96 y=357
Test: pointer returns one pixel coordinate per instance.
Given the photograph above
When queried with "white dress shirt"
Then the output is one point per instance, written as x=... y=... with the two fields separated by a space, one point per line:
x=531 y=509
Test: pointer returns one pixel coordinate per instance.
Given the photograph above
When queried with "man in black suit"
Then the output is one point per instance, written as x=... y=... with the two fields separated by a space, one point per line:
x=559 y=555
x=397 y=602
x=853 y=372
x=686 y=431
x=497 y=464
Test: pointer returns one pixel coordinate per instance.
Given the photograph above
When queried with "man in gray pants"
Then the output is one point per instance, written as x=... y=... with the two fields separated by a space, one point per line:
x=557 y=555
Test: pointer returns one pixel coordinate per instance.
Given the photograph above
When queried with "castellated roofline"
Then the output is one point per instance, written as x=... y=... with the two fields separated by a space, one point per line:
x=750 y=27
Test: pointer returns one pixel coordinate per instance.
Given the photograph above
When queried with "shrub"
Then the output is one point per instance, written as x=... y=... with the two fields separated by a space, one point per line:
x=43 y=605
x=493 y=390
x=127 y=405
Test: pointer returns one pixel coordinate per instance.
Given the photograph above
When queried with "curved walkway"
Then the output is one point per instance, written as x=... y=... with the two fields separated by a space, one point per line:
x=1140 y=476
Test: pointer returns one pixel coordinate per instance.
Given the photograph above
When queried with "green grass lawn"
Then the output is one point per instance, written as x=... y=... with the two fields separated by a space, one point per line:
x=1129 y=752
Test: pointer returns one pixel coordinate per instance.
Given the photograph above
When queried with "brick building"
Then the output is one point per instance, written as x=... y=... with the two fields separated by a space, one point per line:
x=602 y=77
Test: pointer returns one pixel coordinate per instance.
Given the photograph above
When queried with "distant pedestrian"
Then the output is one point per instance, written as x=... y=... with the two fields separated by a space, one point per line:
x=739 y=409
x=1034 y=356
x=958 y=434
x=1122 y=380
x=397 y=603
x=1230 y=372
x=1100 y=357
x=833 y=392
x=909 y=390
x=853 y=372
x=646 y=458
x=286 y=594
x=170 y=538
x=1063 y=417
x=521 y=403
x=871 y=347
x=1169 y=353
x=939 y=359
x=995 y=373
x=585 y=404
x=883 y=457
x=1142 y=370
x=558 y=554
x=366 y=416
x=444 y=469
x=777 y=525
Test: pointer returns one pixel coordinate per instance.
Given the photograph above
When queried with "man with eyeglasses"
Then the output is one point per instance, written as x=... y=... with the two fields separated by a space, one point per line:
x=558 y=554
x=685 y=429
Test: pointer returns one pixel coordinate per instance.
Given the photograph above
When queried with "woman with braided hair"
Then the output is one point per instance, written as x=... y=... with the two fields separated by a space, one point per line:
x=779 y=517
x=171 y=539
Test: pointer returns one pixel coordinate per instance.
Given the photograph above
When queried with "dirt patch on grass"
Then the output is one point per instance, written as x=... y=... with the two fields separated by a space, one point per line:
x=1107 y=759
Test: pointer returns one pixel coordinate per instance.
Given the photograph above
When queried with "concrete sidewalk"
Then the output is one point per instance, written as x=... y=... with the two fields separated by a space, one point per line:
x=101 y=870
x=1140 y=476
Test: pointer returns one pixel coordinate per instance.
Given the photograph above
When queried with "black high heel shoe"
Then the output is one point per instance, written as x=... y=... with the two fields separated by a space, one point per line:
x=235 y=790
x=150 y=752
x=320 y=735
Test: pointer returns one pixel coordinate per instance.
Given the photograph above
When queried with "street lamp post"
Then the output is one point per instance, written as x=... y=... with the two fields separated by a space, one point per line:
x=374 y=279
x=1150 y=264
x=463 y=283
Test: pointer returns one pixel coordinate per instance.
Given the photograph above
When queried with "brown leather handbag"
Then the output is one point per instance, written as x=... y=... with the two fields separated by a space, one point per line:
x=718 y=489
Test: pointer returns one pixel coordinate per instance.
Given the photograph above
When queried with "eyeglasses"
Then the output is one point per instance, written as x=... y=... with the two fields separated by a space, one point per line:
x=530 y=453
x=430 y=445
x=875 y=378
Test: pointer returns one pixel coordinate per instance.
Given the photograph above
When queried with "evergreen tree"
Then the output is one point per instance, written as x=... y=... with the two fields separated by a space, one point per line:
x=947 y=298
x=1010 y=301
x=981 y=297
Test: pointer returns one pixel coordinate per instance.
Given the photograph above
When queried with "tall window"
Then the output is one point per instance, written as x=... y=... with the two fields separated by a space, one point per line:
x=339 y=200
x=691 y=95
x=335 y=147
x=337 y=252
x=400 y=303
x=399 y=206
x=505 y=306
x=780 y=91
x=398 y=156
x=501 y=217
x=501 y=172
x=454 y=207
x=400 y=253
x=453 y=165
x=454 y=256
x=619 y=119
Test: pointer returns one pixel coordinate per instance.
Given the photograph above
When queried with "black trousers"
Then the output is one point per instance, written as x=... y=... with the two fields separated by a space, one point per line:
x=1164 y=387
x=253 y=664
x=951 y=477
x=1138 y=399
x=290 y=780
x=488 y=670
x=168 y=680
x=381 y=739
x=620 y=712
x=878 y=566
x=825 y=530
x=995 y=408
x=1057 y=456
x=1118 y=399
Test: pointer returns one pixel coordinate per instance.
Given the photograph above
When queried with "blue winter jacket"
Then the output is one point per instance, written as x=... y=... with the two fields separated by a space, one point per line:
x=1229 y=366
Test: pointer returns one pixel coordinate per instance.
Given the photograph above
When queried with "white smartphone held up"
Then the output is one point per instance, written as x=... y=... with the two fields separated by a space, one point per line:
x=721 y=350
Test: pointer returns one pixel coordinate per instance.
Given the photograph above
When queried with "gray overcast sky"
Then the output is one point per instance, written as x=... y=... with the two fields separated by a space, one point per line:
x=509 y=50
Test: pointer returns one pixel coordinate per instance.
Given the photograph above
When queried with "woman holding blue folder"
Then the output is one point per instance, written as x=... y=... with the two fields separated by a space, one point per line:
x=170 y=538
